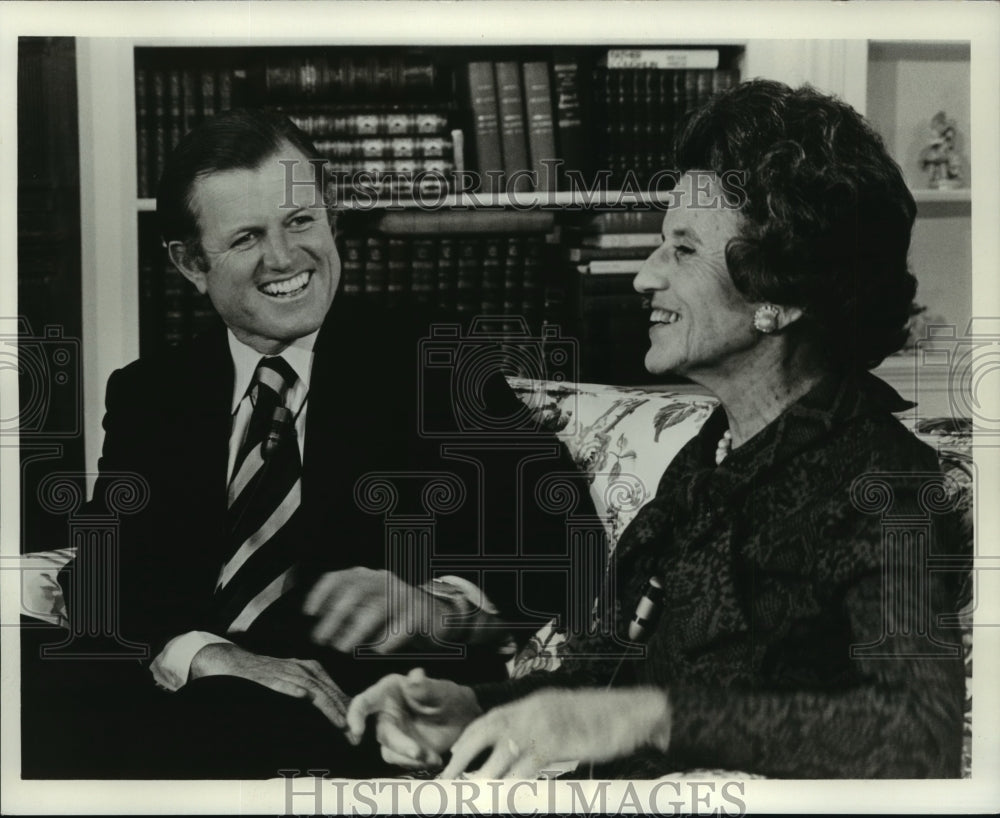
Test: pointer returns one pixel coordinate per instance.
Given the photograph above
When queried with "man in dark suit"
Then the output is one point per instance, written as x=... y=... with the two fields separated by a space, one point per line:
x=258 y=572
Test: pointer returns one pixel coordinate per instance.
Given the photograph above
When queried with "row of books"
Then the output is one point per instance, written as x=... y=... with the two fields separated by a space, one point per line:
x=326 y=76
x=525 y=117
x=381 y=119
x=171 y=310
x=461 y=275
x=527 y=121
x=604 y=254
x=169 y=102
x=457 y=276
x=638 y=113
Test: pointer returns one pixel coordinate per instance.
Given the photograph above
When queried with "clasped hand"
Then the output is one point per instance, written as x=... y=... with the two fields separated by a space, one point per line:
x=419 y=719
x=359 y=606
x=526 y=737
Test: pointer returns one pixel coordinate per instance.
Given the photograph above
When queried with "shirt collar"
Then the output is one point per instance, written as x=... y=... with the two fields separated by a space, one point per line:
x=298 y=355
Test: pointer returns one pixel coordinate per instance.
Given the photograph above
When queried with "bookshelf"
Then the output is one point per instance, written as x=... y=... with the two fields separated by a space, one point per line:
x=117 y=219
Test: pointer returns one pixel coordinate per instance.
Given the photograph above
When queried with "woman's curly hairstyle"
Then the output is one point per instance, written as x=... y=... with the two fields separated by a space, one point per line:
x=826 y=214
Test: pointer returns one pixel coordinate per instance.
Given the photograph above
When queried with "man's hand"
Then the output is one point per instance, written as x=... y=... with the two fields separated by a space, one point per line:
x=418 y=718
x=527 y=736
x=299 y=678
x=359 y=606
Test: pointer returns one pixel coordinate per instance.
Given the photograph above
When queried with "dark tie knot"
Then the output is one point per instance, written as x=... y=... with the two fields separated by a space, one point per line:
x=276 y=374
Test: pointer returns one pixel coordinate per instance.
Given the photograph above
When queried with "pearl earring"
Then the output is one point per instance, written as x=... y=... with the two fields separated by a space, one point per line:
x=766 y=318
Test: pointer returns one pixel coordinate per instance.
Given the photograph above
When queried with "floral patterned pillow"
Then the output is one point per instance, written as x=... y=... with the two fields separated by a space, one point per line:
x=623 y=439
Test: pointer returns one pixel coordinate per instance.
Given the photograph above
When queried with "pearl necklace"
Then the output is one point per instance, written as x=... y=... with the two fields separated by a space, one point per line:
x=725 y=445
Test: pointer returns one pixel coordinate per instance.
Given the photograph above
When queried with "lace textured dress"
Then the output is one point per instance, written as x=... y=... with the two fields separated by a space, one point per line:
x=800 y=632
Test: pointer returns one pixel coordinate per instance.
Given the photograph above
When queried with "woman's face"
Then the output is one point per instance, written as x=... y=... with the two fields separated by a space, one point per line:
x=699 y=322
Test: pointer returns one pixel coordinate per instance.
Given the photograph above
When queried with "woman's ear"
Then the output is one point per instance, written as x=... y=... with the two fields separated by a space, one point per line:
x=189 y=267
x=788 y=315
x=768 y=318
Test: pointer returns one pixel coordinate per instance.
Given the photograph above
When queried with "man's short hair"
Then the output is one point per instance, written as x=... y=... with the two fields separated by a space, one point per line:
x=233 y=140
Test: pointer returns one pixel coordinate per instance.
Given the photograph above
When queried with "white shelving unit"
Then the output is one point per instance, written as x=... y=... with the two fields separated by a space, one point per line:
x=907 y=84
x=110 y=208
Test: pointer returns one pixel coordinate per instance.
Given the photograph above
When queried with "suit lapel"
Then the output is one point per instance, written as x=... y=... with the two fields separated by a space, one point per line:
x=205 y=427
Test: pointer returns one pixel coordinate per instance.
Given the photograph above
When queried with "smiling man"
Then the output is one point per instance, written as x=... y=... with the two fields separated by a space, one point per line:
x=255 y=572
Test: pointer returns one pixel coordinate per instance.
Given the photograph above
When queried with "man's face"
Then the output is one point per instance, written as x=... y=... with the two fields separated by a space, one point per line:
x=273 y=266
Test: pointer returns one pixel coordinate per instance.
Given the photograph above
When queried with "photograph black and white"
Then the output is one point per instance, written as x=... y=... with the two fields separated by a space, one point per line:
x=452 y=408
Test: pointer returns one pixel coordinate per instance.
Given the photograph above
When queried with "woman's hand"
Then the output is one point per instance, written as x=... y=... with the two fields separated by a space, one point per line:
x=418 y=718
x=525 y=737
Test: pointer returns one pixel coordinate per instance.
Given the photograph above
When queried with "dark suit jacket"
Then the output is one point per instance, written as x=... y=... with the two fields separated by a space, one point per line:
x=168 y=420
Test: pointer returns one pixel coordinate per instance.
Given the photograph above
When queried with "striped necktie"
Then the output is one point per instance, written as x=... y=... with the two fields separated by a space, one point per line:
x=263 y=497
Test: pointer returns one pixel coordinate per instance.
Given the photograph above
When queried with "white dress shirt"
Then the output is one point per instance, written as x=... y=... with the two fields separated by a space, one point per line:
x=172 y=667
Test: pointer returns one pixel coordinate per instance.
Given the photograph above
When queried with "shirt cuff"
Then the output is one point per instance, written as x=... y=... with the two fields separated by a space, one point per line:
x=472 y=592
x=172 y=667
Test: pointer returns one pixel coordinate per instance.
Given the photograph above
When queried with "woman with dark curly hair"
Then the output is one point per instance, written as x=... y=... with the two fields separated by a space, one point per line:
x=793 y=641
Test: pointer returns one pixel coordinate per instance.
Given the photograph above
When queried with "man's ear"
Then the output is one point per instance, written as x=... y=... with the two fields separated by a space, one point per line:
x=188 y=266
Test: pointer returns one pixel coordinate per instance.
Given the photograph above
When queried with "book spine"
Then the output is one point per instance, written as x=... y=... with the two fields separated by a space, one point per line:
x=424 y=281
x=208 y=108
x=690 y=91
x=145 y=186
x=663 y=119
x=604 y=125
x=623 y=118
x=158 y=127
x=582 y=255
x=458 y=149
x=650 y=126
x=203 y=314
x=513 y=141
x=609 y=289
x=353 y=267
x=491 y=284
x=175 y=307
x=723 y=79
x=151 y=307
x=469 y=277
x=676 y=107
x=486 y=129
x=175 y=126
x=571 y=142
x=399 y=273
x=703 y=78
x=541 y=128
x=650 y=240
x=189 y=91
x=224 y=89
x=513 y=278
x=663 y=58
x=625 y=221
x=617 y=266
x=531 y=283
x=376 y=269
x=447 y=274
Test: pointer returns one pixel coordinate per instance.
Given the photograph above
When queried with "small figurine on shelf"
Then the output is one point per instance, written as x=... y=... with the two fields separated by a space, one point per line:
x=940 y=156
